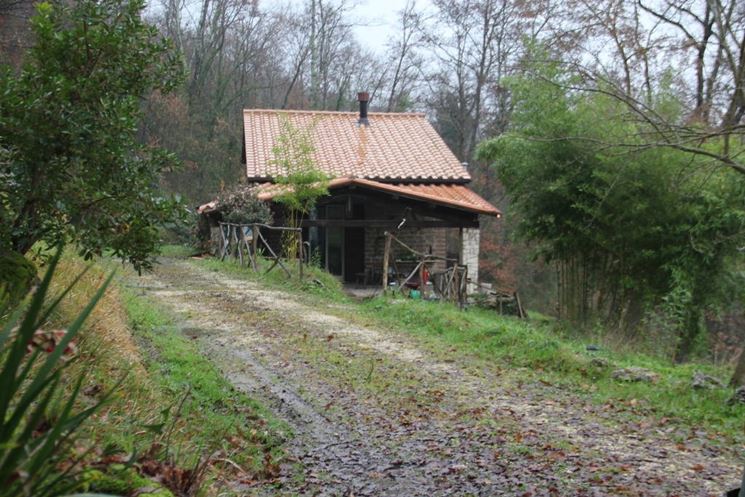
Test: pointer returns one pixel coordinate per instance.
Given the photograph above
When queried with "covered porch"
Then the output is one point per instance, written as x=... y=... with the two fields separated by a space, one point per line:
x=346 y=232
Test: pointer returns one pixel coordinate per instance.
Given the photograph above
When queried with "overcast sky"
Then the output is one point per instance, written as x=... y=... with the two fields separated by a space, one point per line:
x=380 y=15
x=380 y=21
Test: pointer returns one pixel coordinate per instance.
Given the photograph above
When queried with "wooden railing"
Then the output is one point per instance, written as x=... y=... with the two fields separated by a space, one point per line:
x=449 y=285
x=244 y=241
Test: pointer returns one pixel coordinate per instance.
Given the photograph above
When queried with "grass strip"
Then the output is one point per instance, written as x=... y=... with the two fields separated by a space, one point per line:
x=523 y=351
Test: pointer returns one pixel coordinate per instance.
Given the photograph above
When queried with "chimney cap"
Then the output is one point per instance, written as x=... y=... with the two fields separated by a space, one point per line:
x=363 y=98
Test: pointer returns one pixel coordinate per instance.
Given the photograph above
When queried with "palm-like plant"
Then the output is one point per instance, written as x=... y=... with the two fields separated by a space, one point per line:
x=31 y=365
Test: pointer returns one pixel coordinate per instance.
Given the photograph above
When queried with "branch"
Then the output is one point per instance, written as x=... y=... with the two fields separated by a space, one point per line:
x=724 y=159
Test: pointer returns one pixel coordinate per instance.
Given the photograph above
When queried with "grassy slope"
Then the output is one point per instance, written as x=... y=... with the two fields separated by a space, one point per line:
x=170 y=393
x=528 y=351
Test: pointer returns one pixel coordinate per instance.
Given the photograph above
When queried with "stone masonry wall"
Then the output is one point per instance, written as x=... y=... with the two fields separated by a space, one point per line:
x=420 y=239
x=469 y=254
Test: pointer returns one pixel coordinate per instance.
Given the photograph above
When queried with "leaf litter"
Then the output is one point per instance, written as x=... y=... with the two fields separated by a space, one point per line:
x=428 y=427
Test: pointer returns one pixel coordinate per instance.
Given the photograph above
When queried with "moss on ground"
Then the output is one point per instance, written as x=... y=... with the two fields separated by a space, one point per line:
x=121 y=480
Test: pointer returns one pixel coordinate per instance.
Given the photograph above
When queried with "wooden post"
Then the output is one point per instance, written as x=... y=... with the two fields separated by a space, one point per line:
x=422 y=287
x=520 y=311
x=462 y=289
x=465 y=285
x=300 y=253
x=255 y=246
x=456 y=283
x=239 y=242
x=251 y=257
x=386 y=255
x=225 y=242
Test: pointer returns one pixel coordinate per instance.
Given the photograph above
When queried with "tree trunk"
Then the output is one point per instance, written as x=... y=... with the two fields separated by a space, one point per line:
x=738 y=379
x=634 y=314
x=690 y=333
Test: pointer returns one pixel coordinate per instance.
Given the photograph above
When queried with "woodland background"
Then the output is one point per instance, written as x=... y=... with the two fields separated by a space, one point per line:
x=675 y=68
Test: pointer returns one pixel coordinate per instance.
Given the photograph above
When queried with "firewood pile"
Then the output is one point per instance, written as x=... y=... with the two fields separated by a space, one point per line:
x=505 y=302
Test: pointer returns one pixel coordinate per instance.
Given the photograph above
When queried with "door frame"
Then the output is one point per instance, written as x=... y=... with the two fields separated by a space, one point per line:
x=342 y=254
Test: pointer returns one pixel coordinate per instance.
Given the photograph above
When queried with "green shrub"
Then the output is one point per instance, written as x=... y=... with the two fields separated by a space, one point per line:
x=121 y=480
x=16 y=276
x=240 y=205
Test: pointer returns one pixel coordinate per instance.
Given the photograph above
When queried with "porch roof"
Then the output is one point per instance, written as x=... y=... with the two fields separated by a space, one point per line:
x=457 y=196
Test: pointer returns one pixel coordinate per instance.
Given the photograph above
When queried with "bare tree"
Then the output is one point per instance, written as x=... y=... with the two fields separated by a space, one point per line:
x=404 y=62
x=477 y=47
x=700 y=47
x=708 y=33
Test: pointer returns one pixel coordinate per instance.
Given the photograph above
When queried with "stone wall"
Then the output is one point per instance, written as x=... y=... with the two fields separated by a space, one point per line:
x=425 y=240
x=469 y=254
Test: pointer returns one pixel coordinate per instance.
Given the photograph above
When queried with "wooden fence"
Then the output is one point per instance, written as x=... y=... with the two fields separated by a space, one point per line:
x=245 y=241
x=449 y=285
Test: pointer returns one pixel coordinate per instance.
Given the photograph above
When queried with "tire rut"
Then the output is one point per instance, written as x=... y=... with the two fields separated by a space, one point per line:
x=477 y=439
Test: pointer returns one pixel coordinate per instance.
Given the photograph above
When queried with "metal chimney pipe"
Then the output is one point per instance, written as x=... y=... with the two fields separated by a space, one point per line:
x=363 y=98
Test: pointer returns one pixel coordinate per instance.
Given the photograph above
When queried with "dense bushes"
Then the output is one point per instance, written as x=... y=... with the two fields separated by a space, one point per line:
x=240 y=205
x=16 y=276
x=635 y=231
x=72 y=165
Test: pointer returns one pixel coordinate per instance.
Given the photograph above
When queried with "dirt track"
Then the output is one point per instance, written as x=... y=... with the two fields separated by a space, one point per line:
x=376 y=414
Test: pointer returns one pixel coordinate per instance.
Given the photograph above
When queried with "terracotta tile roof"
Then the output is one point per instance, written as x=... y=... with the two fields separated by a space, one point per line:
x=451 y=195
x=394 y=147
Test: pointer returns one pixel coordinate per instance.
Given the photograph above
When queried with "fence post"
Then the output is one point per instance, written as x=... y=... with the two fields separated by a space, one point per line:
x=422 y=286
x=386 y=255
x=239 y=242
x=255 y=246
x=225 y=243
x=300 y=253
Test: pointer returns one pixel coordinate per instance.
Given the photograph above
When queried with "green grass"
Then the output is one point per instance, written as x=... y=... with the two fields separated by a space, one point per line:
x=178 y=251
x=524 y=349
x=170 y=394
x=315 y=282
x=533 y=350
x=215 y=415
